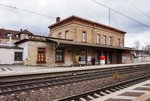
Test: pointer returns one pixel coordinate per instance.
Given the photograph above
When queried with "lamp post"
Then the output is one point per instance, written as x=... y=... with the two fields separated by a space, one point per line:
x=10 y=38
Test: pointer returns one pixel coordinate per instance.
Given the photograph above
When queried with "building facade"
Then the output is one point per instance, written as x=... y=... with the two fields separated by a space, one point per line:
x=74 y=41
x=80 y=40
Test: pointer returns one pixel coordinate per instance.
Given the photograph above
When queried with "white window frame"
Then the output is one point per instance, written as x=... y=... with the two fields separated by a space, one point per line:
x=59 y=35
x=119 y=42
x=98 y=38
x=104 y=39
x=110 y=40
x=84 y=36
x=66 y=34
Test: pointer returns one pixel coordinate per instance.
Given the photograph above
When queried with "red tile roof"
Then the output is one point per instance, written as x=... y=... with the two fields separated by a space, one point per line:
x=4 y=32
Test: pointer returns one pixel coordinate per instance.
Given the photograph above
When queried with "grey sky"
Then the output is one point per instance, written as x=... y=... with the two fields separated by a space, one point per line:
x=136 y=9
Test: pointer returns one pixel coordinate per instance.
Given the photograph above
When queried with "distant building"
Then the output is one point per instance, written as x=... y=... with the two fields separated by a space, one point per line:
x=4 y=36
x=73 y=41
x=140 y=56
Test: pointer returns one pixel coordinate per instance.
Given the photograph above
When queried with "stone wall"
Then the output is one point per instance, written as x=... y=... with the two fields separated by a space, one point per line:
x=33 y=52
x=6 y=40
x=75 y=33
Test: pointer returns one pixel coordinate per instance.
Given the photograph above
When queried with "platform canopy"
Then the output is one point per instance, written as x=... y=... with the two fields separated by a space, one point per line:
x=70 y=42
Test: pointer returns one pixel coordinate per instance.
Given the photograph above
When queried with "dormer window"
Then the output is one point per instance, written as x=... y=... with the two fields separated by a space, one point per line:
x=17 y=36
x=8 y=34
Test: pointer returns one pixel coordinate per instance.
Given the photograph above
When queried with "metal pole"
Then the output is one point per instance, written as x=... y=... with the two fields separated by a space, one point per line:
x=109 y=16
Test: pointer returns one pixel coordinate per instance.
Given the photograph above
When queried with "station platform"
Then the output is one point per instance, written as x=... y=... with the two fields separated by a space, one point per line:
x=10 y=70
x=139 y=92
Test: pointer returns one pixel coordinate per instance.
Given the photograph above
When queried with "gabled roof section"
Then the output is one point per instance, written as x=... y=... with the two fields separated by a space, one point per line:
x=73 y=18
x=25 y=32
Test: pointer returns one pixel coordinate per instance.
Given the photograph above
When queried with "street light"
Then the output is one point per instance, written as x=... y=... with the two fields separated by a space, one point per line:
x=10 y=38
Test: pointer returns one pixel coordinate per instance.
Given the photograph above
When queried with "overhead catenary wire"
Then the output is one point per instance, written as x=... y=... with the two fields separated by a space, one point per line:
x=137 y=8
x=139 y=11
x=119 y=13
x=110 y=9
x=13 y=7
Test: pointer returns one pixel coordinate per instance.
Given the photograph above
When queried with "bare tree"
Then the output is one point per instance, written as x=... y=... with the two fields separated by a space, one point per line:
x=147 y=49
x=136 y=45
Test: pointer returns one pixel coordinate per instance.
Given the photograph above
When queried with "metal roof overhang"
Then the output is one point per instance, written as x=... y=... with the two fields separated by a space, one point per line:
x=70 y=42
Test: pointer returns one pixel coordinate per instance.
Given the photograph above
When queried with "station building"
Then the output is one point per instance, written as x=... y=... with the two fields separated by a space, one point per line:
x=74 y=41
x=79 y=40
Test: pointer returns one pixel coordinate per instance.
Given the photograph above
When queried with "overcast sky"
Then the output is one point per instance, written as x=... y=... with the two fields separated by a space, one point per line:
x=139 y=10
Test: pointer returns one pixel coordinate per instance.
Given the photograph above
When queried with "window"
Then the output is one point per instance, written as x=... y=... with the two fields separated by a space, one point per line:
x=98 y=38
x=18 y=56
x=66 y=34
x=17 y=36
x=83 y=36
x=109 y=40
x=59 y=55
x=41 y=55
x=7 y=35
x=119 y=42
x=104 y=39
x=7 y=41
x=59 y=35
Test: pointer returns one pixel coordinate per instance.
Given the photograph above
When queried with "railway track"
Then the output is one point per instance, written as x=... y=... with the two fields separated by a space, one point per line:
x=91 y=95
x=9 y=87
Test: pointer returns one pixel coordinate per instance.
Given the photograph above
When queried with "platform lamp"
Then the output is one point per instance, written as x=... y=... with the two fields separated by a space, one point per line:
x=10 y=38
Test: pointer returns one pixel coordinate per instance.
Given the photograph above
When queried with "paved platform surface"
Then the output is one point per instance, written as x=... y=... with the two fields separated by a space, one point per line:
x=139 y=92
x=7 y=70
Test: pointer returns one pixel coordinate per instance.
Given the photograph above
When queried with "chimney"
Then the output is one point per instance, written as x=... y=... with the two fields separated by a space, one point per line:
x=57 y=19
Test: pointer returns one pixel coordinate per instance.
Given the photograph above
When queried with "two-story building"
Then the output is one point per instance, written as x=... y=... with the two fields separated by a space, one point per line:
x=78 y=40
x=74 y=41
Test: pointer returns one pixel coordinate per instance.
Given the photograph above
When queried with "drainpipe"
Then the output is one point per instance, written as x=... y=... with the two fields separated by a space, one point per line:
x=53 y=57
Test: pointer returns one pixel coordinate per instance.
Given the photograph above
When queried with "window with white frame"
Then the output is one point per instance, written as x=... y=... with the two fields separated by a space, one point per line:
x=59 y=35
x=83 y=36
x=98 y=38
x=7 y=41
x=104 y=39
x=119 y=42
x=109 y=40
x=67 y=34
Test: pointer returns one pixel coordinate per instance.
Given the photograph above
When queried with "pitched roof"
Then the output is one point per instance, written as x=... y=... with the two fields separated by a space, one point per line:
x=25 y=32
x=71 y=18
x=3 y=32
